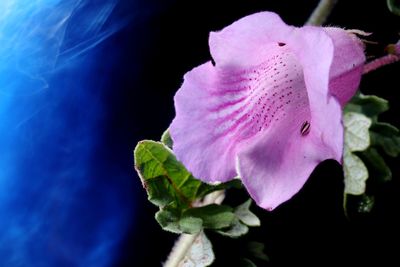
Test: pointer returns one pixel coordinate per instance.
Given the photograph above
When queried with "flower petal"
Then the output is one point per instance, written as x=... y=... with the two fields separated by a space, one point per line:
x=247 y=41
x=193 y=129
x=315 y=50
x=216 y=106
x=217 y=109
x=275 y=165
x=267 y=104
x=347 y=65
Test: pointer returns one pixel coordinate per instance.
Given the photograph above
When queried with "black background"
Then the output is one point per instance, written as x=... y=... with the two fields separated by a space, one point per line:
x=172 y=38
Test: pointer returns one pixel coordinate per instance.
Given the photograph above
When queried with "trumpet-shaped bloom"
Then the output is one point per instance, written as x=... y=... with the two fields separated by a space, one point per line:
x=270 y=108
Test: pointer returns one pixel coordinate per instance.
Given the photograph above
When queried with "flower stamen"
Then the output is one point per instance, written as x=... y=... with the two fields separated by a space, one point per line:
x=305 y=128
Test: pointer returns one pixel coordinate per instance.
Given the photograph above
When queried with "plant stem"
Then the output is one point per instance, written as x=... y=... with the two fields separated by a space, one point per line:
x=380 y=62
x=185 y=241
x=180 y=249
x=321 y=12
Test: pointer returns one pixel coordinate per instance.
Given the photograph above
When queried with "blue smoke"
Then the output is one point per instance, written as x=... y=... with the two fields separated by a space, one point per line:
x=63 y=201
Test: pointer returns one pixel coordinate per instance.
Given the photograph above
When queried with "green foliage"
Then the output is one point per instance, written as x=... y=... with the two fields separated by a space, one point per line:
x=176 y=192
x=166 y=139
x=245 y=262
x=169 y=220
x=394 y=6
x=358 y=205
x=387 y=137
x=243 y=219
x=256 y=249
x=366 y=139
x=356 y=138
x=254 y=252
x=355 y=174
x=167 y=182
x=244 y=214
x=376 y=165
x=235 y=230
x=190 y=225
x=369 y=105
x=366 y=204
x=200 y=253
x=213 y=216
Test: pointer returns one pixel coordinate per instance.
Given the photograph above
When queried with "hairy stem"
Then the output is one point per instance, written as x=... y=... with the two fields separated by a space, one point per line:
x=380 y=62
x=185 y=241
x=321 y=12
x=180 y=249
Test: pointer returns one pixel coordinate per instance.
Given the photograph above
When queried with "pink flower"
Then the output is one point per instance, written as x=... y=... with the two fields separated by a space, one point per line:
x=270 y=110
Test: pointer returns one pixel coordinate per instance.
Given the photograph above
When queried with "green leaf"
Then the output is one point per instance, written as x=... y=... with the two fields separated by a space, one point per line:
x=356 y=138
x=206 y=189
x=190 y=225
x=166 y=139
x=355 y=205
x=256 y=249
x=244 y=214
x=369 y=105
x=364 y=135
x=166 y=180
x=200 y=253
x=243 y=218
x=394 y=6
x=174 y=190
x=387 y=137
x=366 y=204
x=355 y=174
x=236 y=230
x=213 y=216
x=193 y=220
x=168 y=220
x=356 y=135
x=376 y=165
x=244 y=262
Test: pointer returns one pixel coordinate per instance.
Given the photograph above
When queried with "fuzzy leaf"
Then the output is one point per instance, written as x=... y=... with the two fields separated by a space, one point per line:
x=193 y=220
x=164 y=177
x=206 y=189
x=166 y=139
x=362 y=158
x=377 y=166
x=168 y=220
x=356 y=136
x=366 y=204
x=173 y=189
x=387 y=137
x=369 y=105
x=244 y=262
x=356 y=204
x=190 y=225
x=166 y=180
x=200 y=254
x=355 y=174
x=257 y=250
x=244 y=214
x=213 y=216
x=236 y=230
x=394 y=6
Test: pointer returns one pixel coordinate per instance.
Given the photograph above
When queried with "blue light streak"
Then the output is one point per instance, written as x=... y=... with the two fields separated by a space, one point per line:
x=61 y=202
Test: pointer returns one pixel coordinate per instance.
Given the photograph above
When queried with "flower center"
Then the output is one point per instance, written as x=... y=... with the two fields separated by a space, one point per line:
x=259 y=98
